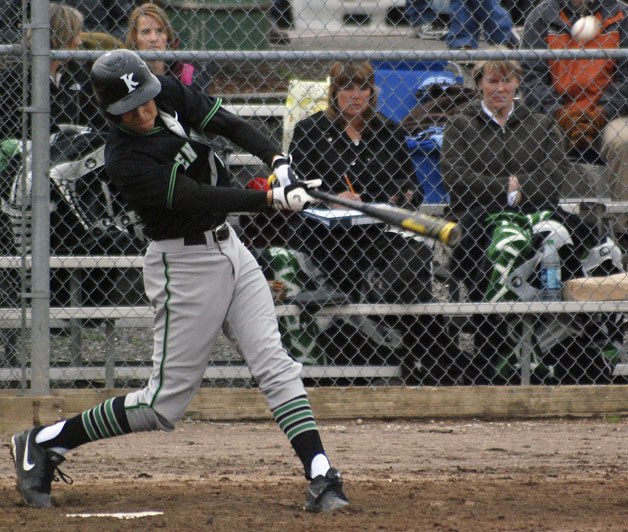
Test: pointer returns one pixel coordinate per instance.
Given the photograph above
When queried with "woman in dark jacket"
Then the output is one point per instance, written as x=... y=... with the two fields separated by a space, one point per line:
x=71 y=97
x=357 y=152
x=496 y=146
x=361 y=155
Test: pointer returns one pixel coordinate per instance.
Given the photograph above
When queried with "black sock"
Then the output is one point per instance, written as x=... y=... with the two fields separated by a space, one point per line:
x=106 y=420
x=296 y=420
x=307 y=445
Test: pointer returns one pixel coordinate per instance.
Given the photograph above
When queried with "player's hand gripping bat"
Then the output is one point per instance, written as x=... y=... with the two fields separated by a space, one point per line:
x=449 y=233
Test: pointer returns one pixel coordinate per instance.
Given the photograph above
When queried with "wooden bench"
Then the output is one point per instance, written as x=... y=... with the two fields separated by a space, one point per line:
x=610 y=288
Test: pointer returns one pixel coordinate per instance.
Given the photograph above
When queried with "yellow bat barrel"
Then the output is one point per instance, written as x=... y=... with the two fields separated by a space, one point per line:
x=449 y=233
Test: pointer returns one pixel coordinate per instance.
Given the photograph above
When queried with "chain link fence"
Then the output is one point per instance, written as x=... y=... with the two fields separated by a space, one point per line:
x=358 y=302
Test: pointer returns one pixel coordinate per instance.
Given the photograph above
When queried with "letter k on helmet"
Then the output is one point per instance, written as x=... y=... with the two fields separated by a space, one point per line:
x=130 y=84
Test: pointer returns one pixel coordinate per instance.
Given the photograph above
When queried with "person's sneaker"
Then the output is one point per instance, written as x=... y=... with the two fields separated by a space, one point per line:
x=35 y=468
x=324 y=493
x=431 y=31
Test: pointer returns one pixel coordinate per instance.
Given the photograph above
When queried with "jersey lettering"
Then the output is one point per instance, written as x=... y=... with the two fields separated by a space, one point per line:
x=186 y=155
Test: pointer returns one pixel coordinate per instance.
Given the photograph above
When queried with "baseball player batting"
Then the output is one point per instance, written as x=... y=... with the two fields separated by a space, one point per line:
x=198 y=275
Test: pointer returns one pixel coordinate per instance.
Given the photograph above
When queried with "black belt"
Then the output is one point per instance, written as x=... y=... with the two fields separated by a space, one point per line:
x=220 y=234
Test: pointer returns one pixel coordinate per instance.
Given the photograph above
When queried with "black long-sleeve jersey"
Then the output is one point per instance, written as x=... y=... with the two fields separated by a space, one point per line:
x=175 y=184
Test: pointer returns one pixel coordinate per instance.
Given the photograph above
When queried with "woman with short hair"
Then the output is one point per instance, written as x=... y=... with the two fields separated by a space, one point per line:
x=497 y=146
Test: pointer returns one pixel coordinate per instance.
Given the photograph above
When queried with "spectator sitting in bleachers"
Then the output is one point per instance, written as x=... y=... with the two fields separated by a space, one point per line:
x=71 y=100
x=504 y=166
x=588 y=97
x=151 y=30
x=361 y=155
x=517 y=146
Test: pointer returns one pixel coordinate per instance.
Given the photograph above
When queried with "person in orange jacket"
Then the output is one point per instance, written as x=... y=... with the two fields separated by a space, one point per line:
x=587 y=97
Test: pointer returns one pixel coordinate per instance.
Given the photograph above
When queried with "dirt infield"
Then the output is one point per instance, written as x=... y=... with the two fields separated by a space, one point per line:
x=562 y=475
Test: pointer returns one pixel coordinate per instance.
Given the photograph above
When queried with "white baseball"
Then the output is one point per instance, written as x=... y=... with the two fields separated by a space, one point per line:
x=586 y=29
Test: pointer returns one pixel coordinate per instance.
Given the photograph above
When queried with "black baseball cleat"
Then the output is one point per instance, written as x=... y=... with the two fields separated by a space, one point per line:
x=324 y=493
x=36 y=468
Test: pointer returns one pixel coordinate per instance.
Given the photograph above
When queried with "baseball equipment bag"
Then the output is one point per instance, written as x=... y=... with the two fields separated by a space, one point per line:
x=87 y=215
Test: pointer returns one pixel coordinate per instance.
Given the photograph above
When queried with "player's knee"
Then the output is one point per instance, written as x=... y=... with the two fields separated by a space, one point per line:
x=145 y=419
x=283 y=389
x=145 y=414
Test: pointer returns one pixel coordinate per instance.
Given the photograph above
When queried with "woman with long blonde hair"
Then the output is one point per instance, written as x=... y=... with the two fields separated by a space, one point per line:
x=150 y=30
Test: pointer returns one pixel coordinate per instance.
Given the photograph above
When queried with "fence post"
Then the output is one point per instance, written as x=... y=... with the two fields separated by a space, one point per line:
x=527 y=333
x=40 y=120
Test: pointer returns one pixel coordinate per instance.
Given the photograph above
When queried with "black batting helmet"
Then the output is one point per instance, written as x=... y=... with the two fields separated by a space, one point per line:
x=122 y=81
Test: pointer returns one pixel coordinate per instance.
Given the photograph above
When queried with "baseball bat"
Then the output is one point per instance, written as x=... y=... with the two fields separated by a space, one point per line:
x=449 y=233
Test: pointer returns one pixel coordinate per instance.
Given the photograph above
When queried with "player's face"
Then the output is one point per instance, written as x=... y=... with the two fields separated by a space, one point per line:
x=498 y=90
x=353 y=100
x=141 y=119
x=151 y=35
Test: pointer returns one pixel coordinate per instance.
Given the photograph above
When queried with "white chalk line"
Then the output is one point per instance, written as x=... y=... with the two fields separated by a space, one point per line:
x=117 y=515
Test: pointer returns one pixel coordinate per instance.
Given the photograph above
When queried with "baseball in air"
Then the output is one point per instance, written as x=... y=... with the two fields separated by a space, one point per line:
x=586 y=29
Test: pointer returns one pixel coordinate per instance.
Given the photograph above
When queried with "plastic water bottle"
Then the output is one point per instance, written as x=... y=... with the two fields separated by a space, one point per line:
x=550 y=273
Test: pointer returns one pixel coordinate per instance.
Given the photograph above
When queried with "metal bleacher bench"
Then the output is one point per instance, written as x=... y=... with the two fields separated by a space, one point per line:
x=141 y=316
x=601 y=211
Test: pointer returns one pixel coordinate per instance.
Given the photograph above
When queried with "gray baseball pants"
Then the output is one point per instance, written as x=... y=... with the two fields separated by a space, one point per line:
x=196 y=291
